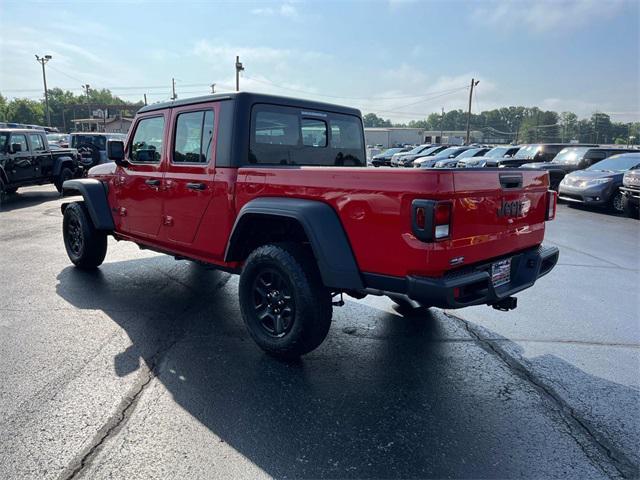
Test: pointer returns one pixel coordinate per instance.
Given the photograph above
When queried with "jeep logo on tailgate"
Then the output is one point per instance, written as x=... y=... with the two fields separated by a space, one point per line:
x=511 y=209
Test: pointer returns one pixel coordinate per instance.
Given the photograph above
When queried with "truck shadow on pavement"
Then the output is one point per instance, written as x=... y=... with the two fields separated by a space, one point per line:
x=385 y=395
x=27 y=198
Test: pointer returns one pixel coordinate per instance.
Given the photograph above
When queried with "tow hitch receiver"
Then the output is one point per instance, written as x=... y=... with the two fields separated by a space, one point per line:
x=506 y=304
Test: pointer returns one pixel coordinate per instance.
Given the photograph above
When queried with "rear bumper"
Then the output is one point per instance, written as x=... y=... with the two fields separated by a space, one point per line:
x=471 y=285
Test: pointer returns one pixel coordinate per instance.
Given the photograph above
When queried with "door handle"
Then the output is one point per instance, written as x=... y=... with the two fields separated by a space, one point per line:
x=152 y=183
x=196 y=186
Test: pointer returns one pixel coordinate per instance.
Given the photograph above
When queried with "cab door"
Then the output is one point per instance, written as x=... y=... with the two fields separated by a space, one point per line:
x=42 y=159
x=138 y=209
x=189 y=172
x=20 y=165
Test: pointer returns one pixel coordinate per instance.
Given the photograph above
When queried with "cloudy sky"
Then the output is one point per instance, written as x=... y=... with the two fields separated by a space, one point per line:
x=401 y=59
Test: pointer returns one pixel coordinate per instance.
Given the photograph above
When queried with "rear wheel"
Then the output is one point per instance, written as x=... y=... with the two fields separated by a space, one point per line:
x=86 y=246
x=65 y=174
x=284 y=304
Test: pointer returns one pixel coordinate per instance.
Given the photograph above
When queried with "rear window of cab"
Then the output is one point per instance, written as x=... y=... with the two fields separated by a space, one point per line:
x=293 y=136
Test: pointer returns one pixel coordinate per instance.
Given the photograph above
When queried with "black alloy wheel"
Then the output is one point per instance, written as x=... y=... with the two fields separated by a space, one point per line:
x=273 y=303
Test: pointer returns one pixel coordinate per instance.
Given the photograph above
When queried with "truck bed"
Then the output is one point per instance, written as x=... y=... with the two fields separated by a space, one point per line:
x=374 y=207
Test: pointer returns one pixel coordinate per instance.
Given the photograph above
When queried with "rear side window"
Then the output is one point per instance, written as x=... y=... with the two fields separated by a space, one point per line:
x=147 y=143
x=276 y=127
x=292 y=136
x=36 y=142
x=193 y=137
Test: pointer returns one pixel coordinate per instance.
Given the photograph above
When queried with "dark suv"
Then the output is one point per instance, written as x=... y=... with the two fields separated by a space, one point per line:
x=92 y=146
x=538 y=152
x=631 y=190
x=571 y=159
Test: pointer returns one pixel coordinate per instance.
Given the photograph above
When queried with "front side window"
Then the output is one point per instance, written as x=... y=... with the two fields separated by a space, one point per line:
x=193 y=138
x=36 y=141
x=20 y=140
x=147 y=143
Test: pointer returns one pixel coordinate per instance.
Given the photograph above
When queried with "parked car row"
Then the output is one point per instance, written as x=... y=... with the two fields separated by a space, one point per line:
x=582 y=173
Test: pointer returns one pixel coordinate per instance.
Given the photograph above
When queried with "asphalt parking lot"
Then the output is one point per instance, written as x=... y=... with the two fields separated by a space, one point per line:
x=143 y=369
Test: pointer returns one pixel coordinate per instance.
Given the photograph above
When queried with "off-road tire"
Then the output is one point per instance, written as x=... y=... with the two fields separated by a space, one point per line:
x=65 y=174
x=86 y=246
x=3 y=192
x=310 y=315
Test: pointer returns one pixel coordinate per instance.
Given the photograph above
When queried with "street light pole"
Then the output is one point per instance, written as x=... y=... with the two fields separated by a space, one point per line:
x=239 y=68
x=474 y=82
x=42 y=61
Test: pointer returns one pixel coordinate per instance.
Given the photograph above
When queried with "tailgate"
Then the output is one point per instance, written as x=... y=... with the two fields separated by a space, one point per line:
x=495 y=213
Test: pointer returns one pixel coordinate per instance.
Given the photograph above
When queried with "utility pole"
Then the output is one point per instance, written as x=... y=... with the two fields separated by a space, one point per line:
x=173 y=89
x=213 y=88
x=239 y=68
x=442 y=125
x=42 y=61
x=537 y=123
x=86 y=88
x=474 y=82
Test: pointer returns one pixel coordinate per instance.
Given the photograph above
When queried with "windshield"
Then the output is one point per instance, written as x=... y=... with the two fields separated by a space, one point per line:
x=448 y=151
x=429 y=151
x=497 y=152
x=417 y=149
x=3 y=141
x=99 y=141
x=470 y=153
x=617 y=163
x=570 y=155
x=391 y=151
x=527 y=151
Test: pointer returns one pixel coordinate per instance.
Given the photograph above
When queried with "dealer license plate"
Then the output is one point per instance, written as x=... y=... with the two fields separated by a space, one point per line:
x=501 y=272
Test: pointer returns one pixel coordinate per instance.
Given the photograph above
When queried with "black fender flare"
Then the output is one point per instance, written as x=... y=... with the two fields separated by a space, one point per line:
x=60 y=162
x=3 y=175
x=324 y=230
x=94 y=193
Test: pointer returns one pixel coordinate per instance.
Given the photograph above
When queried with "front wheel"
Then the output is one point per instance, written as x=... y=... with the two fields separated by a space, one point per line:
x=86 y=246
x=617 y=204
x=284 y=304
x=65 y=174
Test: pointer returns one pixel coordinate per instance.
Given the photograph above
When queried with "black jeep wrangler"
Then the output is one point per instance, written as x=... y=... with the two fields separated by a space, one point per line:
x=26 y=159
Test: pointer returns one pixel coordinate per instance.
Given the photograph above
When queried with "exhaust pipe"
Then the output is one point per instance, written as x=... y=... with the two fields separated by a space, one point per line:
x=506 y=304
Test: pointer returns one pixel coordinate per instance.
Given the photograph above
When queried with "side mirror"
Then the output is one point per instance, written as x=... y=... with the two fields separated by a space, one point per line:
x=115 y=152
x=15 y=148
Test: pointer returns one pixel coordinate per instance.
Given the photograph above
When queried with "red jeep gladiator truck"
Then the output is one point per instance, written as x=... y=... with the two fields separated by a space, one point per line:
x=277 y=190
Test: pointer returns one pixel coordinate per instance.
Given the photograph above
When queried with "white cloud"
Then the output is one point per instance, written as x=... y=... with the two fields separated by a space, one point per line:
x=287 y=10
x=544 y=15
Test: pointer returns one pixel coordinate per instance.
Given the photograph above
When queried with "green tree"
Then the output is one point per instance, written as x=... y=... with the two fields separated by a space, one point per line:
x=23 y=110
x=371 y=120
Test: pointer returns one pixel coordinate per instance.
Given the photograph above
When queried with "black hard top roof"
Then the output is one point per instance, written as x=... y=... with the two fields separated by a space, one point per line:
x=22 y=130
x=254 y=98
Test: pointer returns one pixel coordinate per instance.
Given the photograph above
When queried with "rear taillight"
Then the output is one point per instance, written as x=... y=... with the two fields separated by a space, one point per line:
x=431 y=220
x=552 y=201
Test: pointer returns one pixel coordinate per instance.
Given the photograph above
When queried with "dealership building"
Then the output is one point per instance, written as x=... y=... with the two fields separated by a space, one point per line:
x=389 y=137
